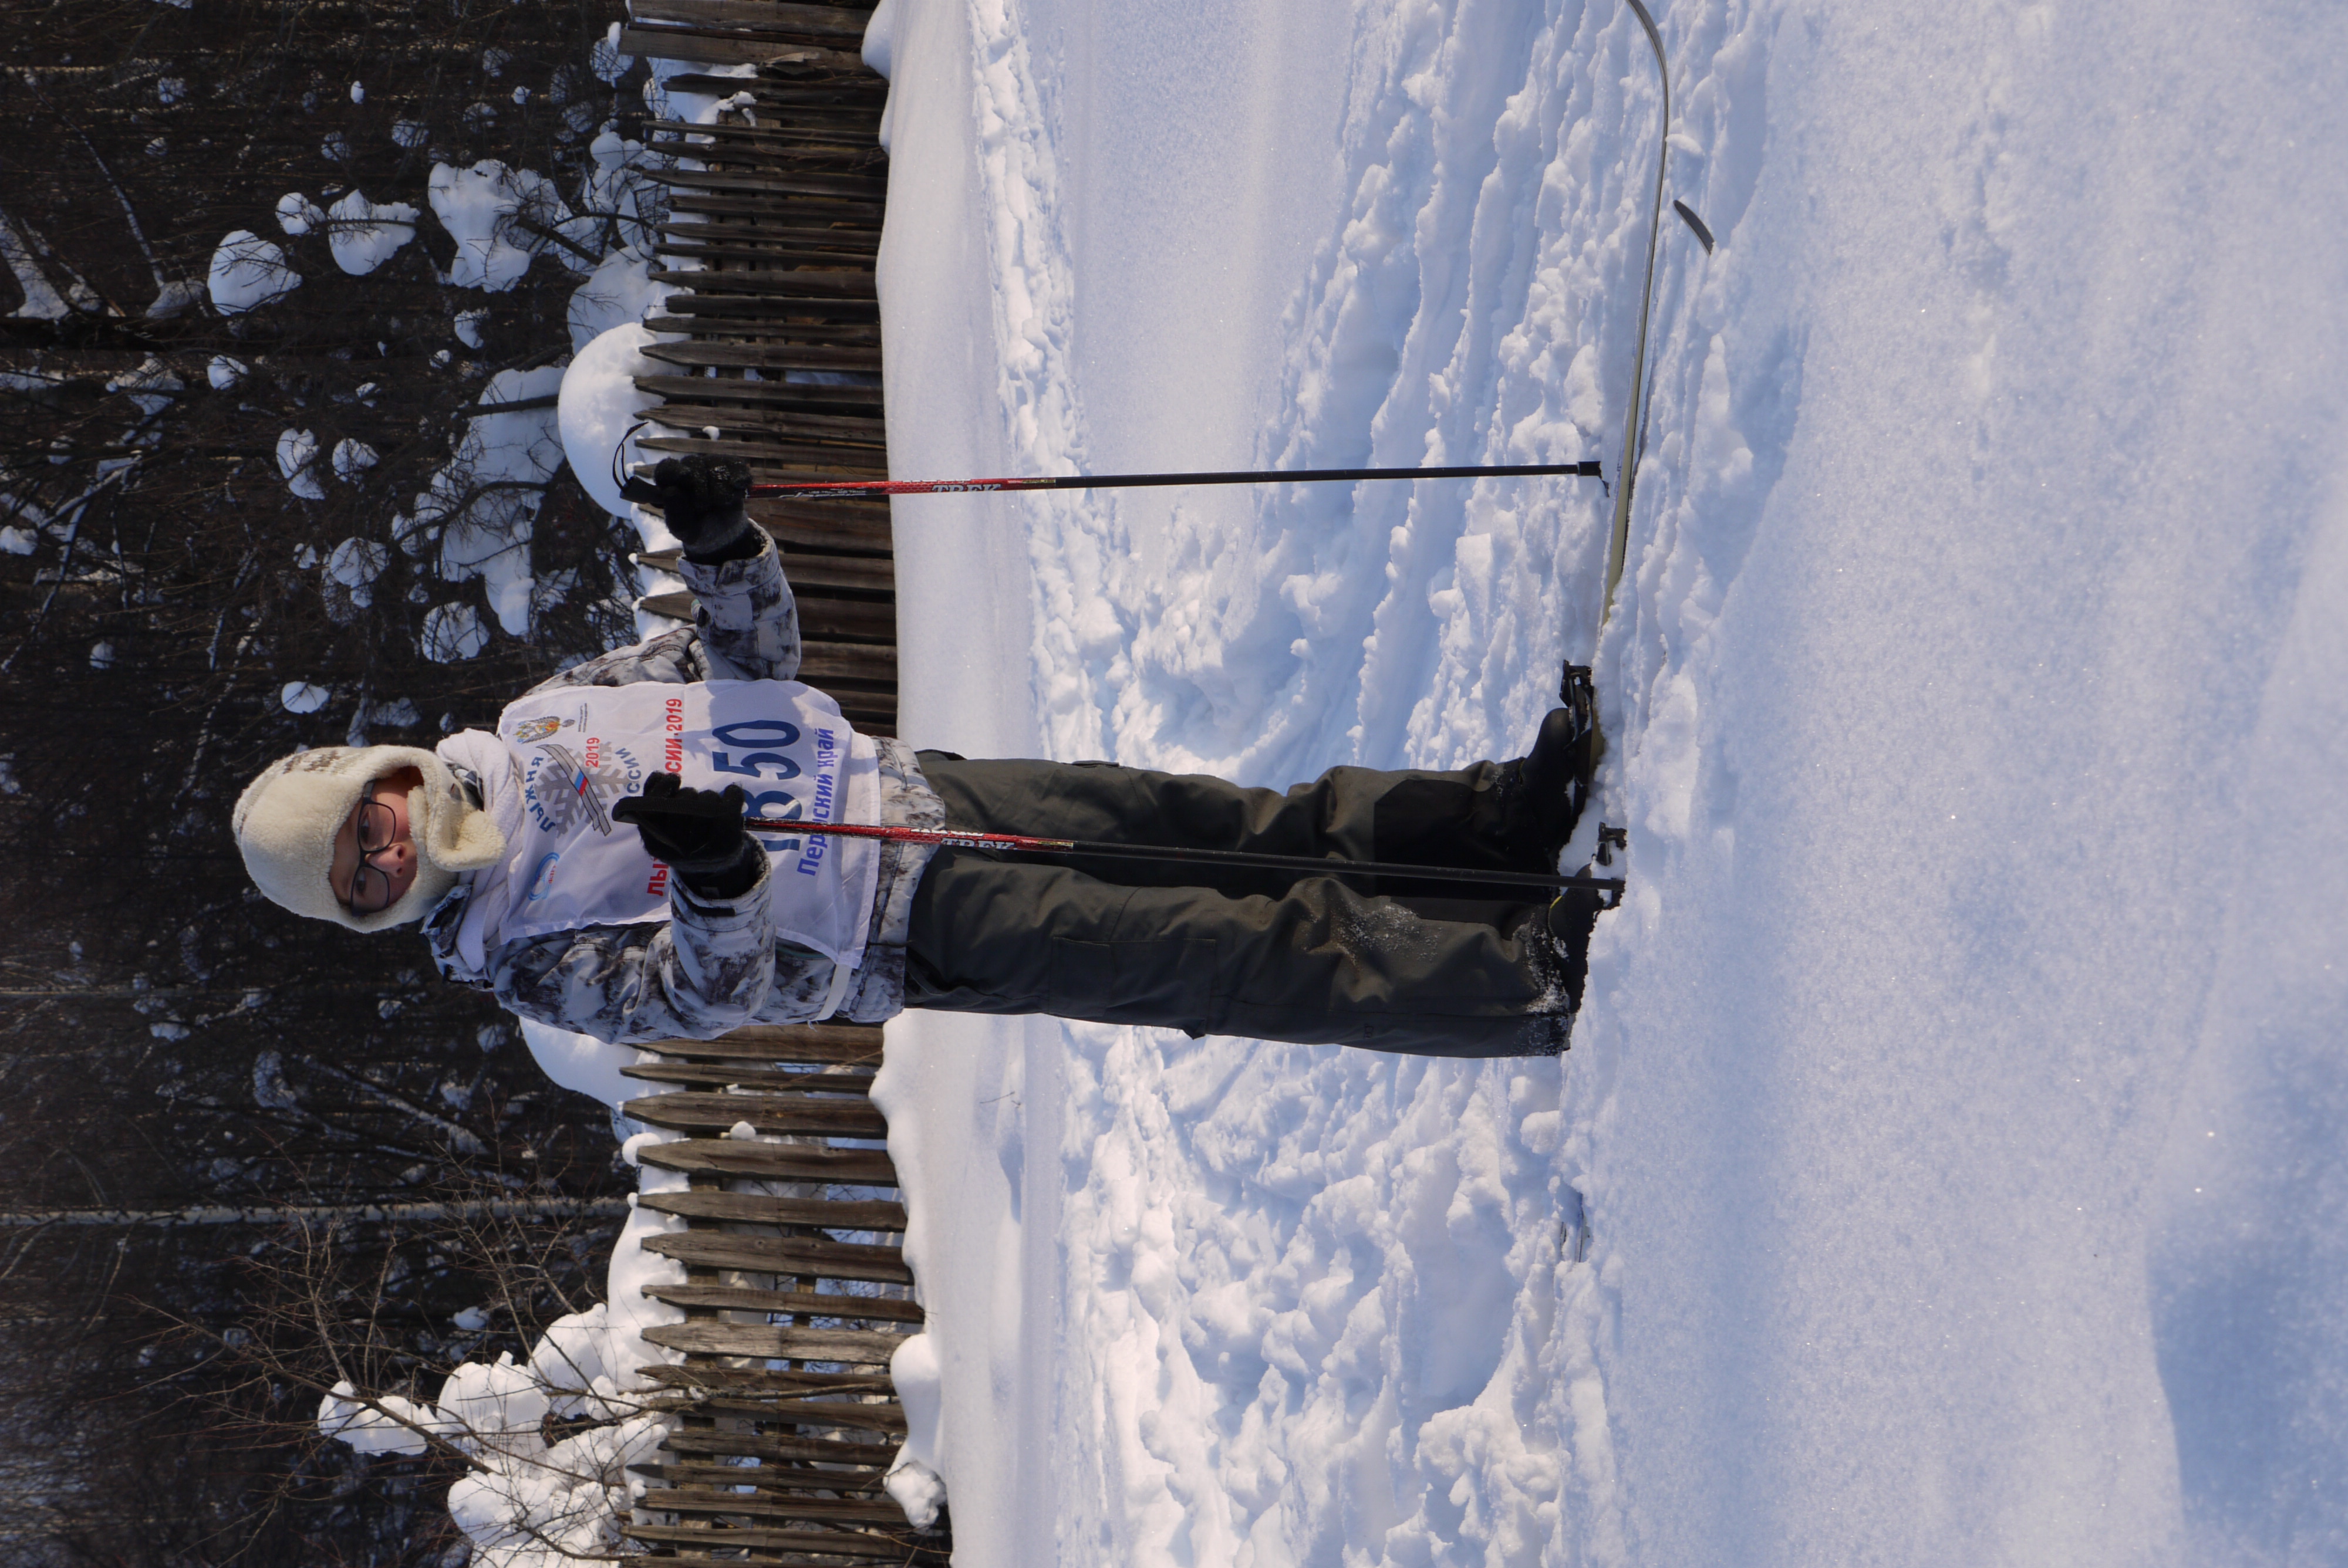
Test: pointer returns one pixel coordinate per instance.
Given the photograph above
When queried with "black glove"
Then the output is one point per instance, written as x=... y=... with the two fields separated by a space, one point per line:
x=701 y=500
x=698 y=832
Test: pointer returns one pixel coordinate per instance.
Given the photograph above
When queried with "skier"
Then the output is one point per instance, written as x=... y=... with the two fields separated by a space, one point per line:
x=512 y=850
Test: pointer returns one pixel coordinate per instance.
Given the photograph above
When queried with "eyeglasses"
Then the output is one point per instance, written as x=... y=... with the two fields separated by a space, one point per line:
x=370 y=884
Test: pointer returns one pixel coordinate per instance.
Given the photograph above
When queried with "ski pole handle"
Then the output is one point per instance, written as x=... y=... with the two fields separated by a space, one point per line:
x=851 y=489
x=1022 y=844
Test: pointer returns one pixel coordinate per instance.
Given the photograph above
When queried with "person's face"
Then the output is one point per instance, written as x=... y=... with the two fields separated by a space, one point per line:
x=374 y=858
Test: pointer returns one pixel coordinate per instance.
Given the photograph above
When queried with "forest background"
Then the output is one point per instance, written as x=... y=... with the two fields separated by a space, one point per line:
x=196 y=1091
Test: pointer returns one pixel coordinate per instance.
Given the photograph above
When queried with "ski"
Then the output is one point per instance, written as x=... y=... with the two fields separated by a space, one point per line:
x=1635 y=423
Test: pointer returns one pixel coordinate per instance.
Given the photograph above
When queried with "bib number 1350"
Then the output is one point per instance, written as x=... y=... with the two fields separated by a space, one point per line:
x=754 y=749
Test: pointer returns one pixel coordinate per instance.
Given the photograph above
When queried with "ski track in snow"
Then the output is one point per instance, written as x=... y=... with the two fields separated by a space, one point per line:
x=1317 y=1298
x=1875 y=982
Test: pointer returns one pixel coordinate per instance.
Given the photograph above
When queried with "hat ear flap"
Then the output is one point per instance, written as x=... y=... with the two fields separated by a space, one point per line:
x=454 y=834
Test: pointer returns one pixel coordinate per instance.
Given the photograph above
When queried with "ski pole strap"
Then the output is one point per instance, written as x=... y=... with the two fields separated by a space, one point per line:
x=1020 y=843
x=850 y=489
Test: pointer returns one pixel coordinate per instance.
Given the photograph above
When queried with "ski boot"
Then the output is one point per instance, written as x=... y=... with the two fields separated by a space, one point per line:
x=1552 y=782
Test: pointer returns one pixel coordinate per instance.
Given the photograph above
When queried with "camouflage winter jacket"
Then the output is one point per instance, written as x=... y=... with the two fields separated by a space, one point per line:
x=713 y=966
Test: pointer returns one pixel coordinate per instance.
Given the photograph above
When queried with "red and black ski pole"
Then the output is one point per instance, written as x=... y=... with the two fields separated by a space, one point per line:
x=1020 y=843
x=850 y=489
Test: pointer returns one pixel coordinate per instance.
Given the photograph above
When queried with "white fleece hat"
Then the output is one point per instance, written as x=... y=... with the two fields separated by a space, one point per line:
x=286 y=820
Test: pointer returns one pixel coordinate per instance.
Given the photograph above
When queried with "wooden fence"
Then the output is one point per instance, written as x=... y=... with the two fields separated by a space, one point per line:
x=786 y=1417
x=796 y=1293
x=775 y=350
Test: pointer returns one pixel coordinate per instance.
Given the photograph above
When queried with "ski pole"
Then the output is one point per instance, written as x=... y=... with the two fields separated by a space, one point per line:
x=1020 y=843
x=850 y=489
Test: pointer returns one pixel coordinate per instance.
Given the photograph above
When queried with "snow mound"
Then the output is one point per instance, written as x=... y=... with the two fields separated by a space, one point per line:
x=500 y=218
x=619 y=293
x=303 y=697
x=365 y=235
x=297 y=457
x=247 y=272
x=352 y=457
x=453 y=633
x=599 y=404
x=297 y=214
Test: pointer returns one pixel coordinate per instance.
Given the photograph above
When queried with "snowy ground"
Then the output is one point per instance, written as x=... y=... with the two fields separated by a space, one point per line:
x=1958 y=1099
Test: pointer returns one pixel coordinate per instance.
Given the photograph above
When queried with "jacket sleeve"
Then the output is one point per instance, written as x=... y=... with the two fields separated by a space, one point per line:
x=745 y=615
x=745 y=627
x=711 y=967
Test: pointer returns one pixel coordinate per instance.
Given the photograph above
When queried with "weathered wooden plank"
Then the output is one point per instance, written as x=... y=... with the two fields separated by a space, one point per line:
x=881 y=1416
x=760 y=1208
x=781 y=1509
x=788 y=218
x=856 y=97
x=849 y=620
x=851 y=665
x=844 y=194
x=766 y=1446
x=846 y=27
x=780 y=458
x=842 y=283
x=810 y=394
x=805 y=1302
x=766 y=1080
x=758 y=1380
x=694 y=354
x=790 y=1255
x=867 y=511
x=852 y=431
x=733 y=1542
x=700 y=47
x=743 y=325
x=816 y=1044
x=770 y=1477
x=855 y=1347
x=689 y=1110
x=810 y=249
x=774 y=1162
x=855 y=152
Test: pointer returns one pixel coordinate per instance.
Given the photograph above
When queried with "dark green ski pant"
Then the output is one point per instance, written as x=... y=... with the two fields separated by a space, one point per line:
x=1309 y=960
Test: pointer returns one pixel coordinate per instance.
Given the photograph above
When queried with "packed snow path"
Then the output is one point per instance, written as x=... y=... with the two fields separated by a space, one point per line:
x=1959 y=1097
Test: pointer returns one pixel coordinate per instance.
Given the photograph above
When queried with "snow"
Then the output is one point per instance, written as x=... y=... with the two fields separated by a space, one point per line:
x=352 y=568
x=225 y=371
x=18 y=541
x=352 y=457
x=150 y=385
x=366 y=234
x=469 y=327
x=607 y=62
x=1955 y=1101
x=619 y=293
x=482 y=505
x=600 y=405
x=495 y=215
x=585 y=1064
x=297 y=457
x=303 y=697
x=248 y=271
x=452 y=633
x=297 y=214
x=523 y=1502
